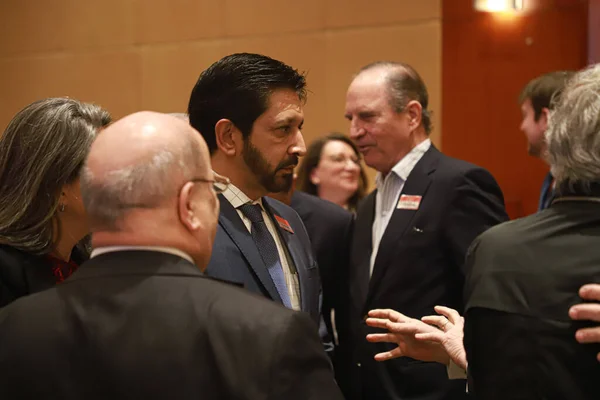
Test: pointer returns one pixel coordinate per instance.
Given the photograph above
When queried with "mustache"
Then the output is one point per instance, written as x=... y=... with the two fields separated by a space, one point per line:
x=290 y=162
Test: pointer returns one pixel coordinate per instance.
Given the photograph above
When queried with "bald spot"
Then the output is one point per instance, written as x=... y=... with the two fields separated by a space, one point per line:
x=135 y=139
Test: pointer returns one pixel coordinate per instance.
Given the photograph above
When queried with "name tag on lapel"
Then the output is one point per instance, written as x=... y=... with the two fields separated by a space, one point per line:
x=283 y=224
x=408 y=202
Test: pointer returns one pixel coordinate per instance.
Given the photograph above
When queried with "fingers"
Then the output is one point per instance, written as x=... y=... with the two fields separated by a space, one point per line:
x=588 y=335
x=388 y=355
x=437 y=336
x=382 y=337
x=585 y=311
x=404 y=328
x=590 y=292
x=436 y=320
x=390 y=314
x=450 y=313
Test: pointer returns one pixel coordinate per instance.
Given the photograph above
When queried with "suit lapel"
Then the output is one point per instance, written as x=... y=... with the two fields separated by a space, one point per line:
x=294 y=248
x=231 y=222
x=361 y=250
x=416 y=184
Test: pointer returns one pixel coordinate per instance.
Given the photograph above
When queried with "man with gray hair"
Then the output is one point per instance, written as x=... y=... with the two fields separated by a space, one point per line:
x=140 y=320
x=412 y=233
x=523 y=276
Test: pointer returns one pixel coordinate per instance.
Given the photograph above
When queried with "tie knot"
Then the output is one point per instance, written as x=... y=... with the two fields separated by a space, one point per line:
x=253 y=212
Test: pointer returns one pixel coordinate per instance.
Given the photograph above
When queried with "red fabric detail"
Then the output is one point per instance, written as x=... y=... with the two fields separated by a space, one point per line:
x=60 y=268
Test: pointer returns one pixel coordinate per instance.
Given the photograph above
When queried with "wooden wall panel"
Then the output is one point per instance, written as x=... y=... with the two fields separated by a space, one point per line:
x=486 y=61
x=594 y=32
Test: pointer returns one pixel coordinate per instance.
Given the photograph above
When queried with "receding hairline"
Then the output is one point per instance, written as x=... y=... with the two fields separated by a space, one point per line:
x=390 y=68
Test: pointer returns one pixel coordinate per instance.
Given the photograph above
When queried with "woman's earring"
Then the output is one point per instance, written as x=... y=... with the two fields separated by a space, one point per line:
x=61 y=207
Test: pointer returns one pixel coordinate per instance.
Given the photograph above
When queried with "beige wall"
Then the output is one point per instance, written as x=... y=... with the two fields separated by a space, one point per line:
x=128 y=55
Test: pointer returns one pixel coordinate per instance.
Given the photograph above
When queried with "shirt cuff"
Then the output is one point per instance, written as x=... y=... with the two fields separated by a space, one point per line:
x=455 y=372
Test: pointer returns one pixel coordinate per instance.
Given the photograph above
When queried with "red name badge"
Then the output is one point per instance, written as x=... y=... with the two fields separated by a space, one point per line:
x=408 y=202
x=284 y=224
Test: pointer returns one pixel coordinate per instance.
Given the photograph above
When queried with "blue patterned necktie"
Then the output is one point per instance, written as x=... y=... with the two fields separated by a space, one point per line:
x=267 y=249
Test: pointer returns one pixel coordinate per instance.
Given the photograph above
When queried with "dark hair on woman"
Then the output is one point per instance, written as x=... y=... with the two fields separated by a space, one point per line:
x=237 y=88
x=43 y=148
x=311 y=160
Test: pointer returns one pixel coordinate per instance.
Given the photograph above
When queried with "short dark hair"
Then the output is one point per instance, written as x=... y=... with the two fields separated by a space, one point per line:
x=541 y=90
x=312 y=158
x=404 y=85
x=237 y=87
x=43 y=148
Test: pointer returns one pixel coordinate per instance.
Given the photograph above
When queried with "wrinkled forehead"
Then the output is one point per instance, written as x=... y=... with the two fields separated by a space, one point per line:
x=284 y=105
x=367 y=93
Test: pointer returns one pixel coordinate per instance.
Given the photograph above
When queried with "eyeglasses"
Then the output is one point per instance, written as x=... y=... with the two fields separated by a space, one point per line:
x=219 y=184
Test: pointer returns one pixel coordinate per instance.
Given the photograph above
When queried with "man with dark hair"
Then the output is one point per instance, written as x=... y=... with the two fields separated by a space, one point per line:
x=536 y=102
x=249 y=109
x=411 y=235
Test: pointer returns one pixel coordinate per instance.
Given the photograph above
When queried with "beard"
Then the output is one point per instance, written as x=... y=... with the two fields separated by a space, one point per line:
x=272 y=179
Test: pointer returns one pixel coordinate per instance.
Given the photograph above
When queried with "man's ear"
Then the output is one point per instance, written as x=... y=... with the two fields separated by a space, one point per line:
x=415 y=113
x=227 y=136
x=544 y=118
x=186 y=213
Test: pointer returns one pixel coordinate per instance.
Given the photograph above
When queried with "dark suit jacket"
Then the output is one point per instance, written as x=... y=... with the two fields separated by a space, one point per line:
x=235 y=257
x=23 y=273
x=523 y=278
x=420 y=264
x=546 y=193
x=329 y=227
x=149 y=325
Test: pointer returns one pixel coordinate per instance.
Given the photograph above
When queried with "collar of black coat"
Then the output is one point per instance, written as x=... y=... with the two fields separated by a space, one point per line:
x=579 y=189
x=140 y=263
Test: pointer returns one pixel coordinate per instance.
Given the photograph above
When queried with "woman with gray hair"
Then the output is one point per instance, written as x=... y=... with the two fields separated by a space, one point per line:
x=42 y=218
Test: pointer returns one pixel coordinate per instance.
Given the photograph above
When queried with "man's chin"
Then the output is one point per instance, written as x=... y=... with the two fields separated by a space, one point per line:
x=279 y=183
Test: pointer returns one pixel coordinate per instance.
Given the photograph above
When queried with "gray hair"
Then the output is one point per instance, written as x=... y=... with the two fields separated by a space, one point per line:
x=146 y=185
x=573 y=135
x=42 y=149
x=404 y=85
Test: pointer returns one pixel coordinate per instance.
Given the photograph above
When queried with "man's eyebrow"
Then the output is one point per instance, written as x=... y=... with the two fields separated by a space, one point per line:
x=288 y=120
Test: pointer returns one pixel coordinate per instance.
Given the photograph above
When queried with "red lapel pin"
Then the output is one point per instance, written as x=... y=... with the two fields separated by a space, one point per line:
x=284 y=224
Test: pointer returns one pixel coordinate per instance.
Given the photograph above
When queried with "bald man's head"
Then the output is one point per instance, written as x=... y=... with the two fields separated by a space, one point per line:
x=146 y=182
x=140 y=162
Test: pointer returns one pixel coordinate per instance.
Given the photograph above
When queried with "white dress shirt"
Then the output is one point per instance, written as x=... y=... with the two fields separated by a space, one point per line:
x=170 y=250
x=237 y=198
x=388 y=192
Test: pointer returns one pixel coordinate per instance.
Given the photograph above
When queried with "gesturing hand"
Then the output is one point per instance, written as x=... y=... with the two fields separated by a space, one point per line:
x=402 y=330
x=436 y=338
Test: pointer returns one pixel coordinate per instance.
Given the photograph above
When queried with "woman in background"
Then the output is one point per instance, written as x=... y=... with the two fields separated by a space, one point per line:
x=331 y=170
x=42 y=218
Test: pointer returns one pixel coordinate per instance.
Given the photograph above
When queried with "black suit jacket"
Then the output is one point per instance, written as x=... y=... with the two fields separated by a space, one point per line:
x=23 y=273
x=235 y=257
x=420 y=264
x=329 y=227
x=149 y=325
x=523 y=278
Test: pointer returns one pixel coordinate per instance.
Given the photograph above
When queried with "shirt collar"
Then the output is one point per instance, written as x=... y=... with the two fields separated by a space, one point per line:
x=404 y=167
x=237 y=198
x=170 y=250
